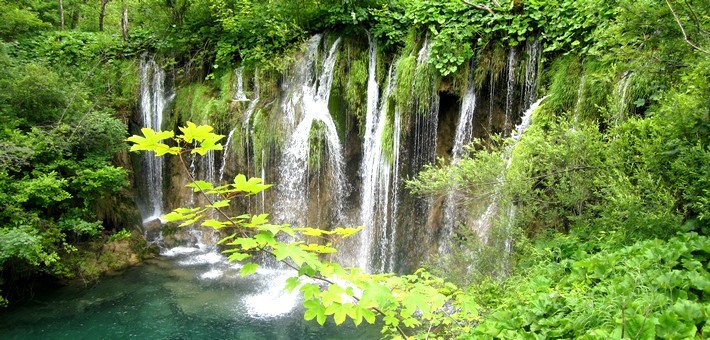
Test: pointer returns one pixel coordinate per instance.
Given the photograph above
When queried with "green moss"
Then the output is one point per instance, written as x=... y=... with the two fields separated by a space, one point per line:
x=316 y=143
x=564 y=75
x=202 y=103
x=265 y=137
x=226 y=84
x=425 y=83
x=405 y=69
x=356 y=91
x=388 y=132
x=490 y=64
x=598 y=80
x=189 y=101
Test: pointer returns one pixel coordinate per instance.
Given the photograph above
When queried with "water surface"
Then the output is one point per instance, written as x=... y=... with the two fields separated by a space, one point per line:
x=184 y=295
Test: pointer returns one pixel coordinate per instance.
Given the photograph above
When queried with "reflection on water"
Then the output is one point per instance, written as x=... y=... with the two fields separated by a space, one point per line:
x=186 y=294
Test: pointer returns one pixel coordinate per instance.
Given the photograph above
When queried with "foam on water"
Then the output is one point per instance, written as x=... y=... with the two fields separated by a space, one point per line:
x=213 y=274
x=272 y=300
x=207 y=258
x=179 y=251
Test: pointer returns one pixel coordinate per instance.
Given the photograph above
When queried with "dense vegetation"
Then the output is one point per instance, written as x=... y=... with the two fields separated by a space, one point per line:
x=608 y=188
x=65 y=99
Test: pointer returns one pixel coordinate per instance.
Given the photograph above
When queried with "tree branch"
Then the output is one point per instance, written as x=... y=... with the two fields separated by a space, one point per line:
x=682 y=29
x=481 y=7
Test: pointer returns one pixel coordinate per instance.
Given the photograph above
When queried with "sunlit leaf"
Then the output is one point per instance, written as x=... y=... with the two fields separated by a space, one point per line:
x=248 y=269
x=235 y=257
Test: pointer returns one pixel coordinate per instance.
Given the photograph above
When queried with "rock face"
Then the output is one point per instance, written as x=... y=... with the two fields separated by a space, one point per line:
x=311 y=129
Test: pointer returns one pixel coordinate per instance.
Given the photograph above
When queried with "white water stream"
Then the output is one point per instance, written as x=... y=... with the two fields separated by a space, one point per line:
x=153 y=99
x=309 y=100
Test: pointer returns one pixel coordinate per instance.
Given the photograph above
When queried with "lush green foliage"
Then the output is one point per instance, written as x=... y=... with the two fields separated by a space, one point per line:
x=62 y=97
x=650 y=289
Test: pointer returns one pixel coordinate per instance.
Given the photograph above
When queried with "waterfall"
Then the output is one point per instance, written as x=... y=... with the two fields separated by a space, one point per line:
x=379 y=176
x=314 y=93
x=510 y=92
x=247 y=130
x=252 y=105
x=464 y=128
x=580 y=98
x=239 y=95
x=484 y=222
x=529 y=90
x=426 y=123
x=463 y=136
x=225 y=154
x=491 y=94
x=621 y=94
x=153 y=99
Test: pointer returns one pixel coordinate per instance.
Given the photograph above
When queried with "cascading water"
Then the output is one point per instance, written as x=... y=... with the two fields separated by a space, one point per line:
x=153 y=100
x=464 y=128
x=529 y=86
x=239 y=95
x=426 y=123
x=509 y=94
x=621 y=93
x=225 y=154
x=314 y=93
x=377 y=197
x=580 y=99
x=246 y=129
x=484 y=222
x=463 y=136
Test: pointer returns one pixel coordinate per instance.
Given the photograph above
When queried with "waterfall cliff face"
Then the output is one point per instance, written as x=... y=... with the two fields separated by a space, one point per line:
x=332 y=166
x=308 y=113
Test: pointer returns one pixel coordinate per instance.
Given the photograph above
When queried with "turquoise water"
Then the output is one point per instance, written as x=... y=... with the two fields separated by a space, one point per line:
x=186 y=296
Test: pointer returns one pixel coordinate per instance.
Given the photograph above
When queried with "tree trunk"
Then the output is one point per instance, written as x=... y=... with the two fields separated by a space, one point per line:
x=76 y=17
x=124 y=22
x=102 y=15
x=61 y=15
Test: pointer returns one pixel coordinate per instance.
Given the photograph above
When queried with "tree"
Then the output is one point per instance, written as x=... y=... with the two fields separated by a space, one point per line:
x=102 y=14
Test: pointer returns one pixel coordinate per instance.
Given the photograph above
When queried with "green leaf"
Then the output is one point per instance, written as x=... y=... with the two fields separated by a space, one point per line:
x=214 y=224
x=291 y=250
x=320 y=249
x=307 y=231
x=173 y=216
x=346 y=232
x=265 y=238
x=339 y=311
x=292 y=283
x=314 y=310
x=192 y=132
x=220 y=204
x=235 y=257
x=226 y=239
x=310 y=290
x=412 y=301
x=248 y=269
x=368 y=315
x=376 y=294
x=640 y=327
x=198 y=186
x=151 y=142
x=246 y=243
x=259 y=220
x=332 y=295
x=274 y=229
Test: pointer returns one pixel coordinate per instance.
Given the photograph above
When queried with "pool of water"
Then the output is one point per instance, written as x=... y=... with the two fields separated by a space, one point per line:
x=185 y=294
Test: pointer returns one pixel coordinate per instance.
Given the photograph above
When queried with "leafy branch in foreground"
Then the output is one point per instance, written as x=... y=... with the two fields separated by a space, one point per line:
x=419 y=303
